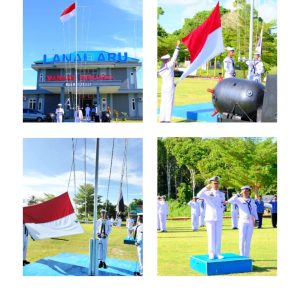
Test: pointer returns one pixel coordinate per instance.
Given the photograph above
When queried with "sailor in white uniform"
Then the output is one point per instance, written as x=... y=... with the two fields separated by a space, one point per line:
x=138 y=236
x=25 y=245
x=247 y=218
x=234 y=216
x=118 y=221
x=87 y=113
x=158 y=220
x=168 y=87
x=229 y=64
x=78 y=116
x=195 y=212
x=257 y=68
x=214 y=200
x=104 y=228
x=129 y=226
x=202 y=212
x=59 y=113
x=163 y=211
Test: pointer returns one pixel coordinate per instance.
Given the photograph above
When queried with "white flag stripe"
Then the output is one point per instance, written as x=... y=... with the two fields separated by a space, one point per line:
x=68 y=16
x=61 y=227
x=213 y=47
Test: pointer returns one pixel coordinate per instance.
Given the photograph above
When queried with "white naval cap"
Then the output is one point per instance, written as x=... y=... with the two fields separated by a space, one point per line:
x=167 y=56
x=140 y=214
x=257 y=53
x=103 y=211
x=230 y=49
x=245 y=187
x=214 y=178
x=59 y=104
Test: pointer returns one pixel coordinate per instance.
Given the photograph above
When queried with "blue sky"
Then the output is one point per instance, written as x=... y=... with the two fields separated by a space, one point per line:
x=110 y=25
x=47 y=165
x=177 y=10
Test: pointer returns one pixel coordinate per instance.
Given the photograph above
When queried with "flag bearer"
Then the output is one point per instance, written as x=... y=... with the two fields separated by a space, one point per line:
x=234 y=216
x=195 y=212
x=247 y=218
x=104 y=228
x=229 y=64
x=214 y=200
x=138 y=236
x=163 y=211
x=59 y=113
x=168 y=87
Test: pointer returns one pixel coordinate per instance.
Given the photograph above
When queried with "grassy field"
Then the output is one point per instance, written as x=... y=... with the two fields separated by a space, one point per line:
x=80 y=244
x=177 y=245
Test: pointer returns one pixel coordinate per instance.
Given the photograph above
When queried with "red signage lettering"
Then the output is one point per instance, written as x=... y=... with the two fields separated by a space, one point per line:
x=87 y=77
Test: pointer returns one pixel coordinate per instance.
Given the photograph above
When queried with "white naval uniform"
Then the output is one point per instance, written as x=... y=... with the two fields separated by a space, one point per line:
x=59 y=114
x=247 y=217
x=234 y=215
x=195 y=212
x=166 y=72
x=119 y=222
x=129 y=226
x=25 y=241
x=214 y=200
x=229 y=67
x=78 y=117
x=257 y=70
x=163 y=211
x=139 y=242
x=103 y=242
x=87 y=113
x=202 y=212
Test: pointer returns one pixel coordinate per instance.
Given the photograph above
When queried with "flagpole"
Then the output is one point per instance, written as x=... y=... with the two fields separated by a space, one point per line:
x=93 y=242
x=76 y=89
x=250 y=39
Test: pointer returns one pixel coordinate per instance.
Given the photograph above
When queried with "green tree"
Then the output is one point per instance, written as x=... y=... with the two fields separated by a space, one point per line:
x=184 y=193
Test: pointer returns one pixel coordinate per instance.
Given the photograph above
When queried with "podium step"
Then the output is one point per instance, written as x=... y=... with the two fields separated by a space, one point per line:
x=231 y=263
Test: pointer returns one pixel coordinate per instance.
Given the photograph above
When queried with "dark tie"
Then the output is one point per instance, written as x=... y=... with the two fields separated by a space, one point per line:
x=26 y=231
x=103 y=228
x=249 y=206
x=134 y=237
x=235 y=206
x=232 y=62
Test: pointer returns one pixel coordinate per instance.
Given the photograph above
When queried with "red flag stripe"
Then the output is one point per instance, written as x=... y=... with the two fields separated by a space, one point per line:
x=48 y=211
x=196 y=40
x=69 y=9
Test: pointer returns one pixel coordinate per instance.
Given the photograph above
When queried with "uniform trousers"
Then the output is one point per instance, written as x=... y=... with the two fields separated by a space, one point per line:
x=103 y=249
x=162 y=222
x=140 y=257
x=245 y=235
x=195 y=221
x=166 y=105
x=201 y=218
x=260 y=217
x=274 y=219
x=214 y=235
x=234 y=219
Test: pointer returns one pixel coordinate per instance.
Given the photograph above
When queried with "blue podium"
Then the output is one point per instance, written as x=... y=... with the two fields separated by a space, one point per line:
x=231 y=263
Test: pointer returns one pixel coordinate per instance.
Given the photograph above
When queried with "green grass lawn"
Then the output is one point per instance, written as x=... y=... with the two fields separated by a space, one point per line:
x=177 y=245
x=189 y=91
x=80 y=244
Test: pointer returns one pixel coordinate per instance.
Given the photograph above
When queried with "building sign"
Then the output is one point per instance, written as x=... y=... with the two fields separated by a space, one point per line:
x=91 y=56
x=86 y=77
x=79 y=84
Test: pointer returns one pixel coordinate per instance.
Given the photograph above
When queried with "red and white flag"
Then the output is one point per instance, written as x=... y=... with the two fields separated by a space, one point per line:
x=68 y=13
x=53 y=218
x=205 y=42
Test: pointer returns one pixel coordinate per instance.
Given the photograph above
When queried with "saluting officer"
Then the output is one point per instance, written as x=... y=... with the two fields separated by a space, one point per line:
x=247 y=218
x=138 y=236
x=195 y=212
x=104 y=228
x=168 y=87
x=59 y=113
x=229 y=64
x=214 y=200
x=234 y=216
x=163 y=211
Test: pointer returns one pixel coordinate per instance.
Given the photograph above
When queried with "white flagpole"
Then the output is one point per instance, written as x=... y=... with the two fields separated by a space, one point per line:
x=250 y=39
x=76 y=89
x=93 y=242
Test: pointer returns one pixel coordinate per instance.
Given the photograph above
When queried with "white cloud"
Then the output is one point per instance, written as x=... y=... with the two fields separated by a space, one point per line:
x=134 y=7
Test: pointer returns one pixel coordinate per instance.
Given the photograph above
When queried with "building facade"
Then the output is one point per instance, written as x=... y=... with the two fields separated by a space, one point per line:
x=92 y=77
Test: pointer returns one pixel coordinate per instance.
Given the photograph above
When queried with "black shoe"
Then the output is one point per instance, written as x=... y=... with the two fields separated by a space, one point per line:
x=234 y=227
x=26 y=262
x=101 y=264
x=104 y=265
x=137 y=274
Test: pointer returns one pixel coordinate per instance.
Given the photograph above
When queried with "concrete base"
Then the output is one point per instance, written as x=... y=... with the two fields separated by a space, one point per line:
x=70 y=264
x=231 y=263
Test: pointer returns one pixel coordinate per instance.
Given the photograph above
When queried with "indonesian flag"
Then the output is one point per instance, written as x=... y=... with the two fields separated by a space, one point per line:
x=258 y=48
x=53 y=218
x=68 y=13
x=205 y=42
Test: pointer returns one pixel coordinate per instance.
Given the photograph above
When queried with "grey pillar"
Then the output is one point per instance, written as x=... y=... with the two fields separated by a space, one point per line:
x=62 y=96
x=98 y=100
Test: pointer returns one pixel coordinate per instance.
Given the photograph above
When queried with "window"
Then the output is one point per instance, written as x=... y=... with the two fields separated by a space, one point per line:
x=133 y=104
x=32 y=103
x=131 y=78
